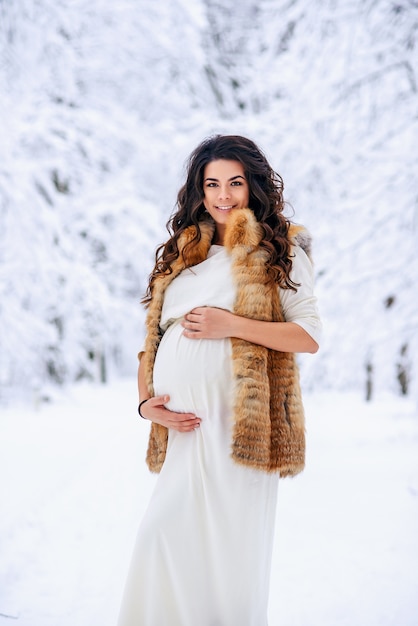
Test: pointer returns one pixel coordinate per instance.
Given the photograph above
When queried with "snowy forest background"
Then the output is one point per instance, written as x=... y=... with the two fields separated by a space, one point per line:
x=102 y=102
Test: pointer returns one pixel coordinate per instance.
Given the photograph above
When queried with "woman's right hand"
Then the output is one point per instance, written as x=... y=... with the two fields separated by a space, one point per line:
x=155 y=411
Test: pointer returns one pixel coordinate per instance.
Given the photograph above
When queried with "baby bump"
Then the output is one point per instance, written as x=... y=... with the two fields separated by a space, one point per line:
x=195 y=373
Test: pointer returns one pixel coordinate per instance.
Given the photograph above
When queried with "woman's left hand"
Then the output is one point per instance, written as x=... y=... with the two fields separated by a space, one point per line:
x=206 y=322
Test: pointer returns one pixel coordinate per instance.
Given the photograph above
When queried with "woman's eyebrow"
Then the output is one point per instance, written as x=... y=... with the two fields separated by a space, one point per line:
x=216 y=180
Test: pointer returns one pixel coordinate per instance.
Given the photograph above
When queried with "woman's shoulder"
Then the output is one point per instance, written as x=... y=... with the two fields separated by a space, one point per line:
x=301 y=239
x=300 y=253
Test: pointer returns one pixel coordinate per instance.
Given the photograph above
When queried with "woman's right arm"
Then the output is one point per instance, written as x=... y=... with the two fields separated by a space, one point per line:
x=155 y=411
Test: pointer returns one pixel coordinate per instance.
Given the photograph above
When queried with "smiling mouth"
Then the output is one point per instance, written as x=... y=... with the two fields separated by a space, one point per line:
x=224 y=208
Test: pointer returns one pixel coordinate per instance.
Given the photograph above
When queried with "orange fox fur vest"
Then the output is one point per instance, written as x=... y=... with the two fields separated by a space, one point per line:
x=268 y=432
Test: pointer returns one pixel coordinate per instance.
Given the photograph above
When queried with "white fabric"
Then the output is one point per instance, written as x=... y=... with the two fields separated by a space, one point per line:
x=202 y=555
x=300 y=306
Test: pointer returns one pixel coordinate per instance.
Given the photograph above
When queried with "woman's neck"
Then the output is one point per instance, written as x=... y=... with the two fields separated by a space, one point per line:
x=218 y=238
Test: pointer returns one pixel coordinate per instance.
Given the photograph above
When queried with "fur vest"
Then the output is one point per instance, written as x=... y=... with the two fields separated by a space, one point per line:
x=268 y=418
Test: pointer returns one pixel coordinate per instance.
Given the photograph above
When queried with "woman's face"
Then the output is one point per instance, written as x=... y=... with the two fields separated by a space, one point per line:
x=225 y=189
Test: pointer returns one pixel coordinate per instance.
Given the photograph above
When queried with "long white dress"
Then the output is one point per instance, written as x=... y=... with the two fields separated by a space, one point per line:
x=203 y=551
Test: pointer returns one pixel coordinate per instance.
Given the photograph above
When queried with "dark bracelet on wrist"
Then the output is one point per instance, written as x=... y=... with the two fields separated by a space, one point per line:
x=139 y=408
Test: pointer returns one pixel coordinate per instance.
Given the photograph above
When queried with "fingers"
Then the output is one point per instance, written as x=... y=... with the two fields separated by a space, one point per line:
x=194 y=323
x=159 y=403
x=184 y=426
x=155 y=411
x=199 y=314
x=183 y=422
x=192 y=327
x=195 y=315
x=158 y=400
x=191 y=320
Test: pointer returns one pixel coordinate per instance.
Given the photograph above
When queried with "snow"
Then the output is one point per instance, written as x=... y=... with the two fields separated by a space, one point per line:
x=74 y=486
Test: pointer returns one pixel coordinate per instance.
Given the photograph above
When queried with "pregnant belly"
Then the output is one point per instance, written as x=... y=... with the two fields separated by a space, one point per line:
x=195 y=373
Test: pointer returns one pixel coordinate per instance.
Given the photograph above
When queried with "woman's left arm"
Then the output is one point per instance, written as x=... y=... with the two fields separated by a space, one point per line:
x=213 y=323
x=298 y=333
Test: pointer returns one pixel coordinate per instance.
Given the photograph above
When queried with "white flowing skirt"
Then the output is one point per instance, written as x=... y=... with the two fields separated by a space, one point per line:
x=203 y=551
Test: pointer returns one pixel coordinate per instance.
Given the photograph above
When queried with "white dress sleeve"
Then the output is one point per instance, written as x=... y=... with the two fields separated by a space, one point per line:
x=300 y=306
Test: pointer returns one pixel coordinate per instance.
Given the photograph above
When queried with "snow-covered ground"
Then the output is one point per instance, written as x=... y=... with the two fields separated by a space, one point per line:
x=74 y=485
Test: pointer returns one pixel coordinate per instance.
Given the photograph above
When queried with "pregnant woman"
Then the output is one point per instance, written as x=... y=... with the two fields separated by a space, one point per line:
x=230 y=300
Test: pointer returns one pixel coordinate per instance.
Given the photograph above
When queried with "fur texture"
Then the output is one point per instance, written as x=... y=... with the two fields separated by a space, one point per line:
x=269 y=431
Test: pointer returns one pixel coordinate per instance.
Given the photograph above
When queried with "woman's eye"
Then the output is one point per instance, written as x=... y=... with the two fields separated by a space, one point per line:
x=236 y=183
x=211 y=185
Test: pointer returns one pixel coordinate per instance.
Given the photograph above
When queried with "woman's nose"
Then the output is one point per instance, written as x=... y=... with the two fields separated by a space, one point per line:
x=224 y=192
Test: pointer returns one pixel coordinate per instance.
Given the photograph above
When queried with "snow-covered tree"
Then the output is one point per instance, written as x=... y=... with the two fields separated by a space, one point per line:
x=101 y=104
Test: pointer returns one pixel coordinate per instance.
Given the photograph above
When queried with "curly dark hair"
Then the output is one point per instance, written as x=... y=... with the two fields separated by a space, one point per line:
x=265 y=200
